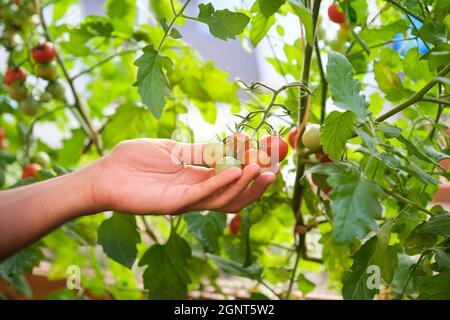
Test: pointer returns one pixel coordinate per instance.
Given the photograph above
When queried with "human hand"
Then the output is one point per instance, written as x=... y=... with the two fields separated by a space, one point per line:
x=150 y=176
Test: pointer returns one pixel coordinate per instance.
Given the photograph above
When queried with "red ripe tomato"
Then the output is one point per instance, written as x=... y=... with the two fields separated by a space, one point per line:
x=237 y=144
x=29 y=171
x=275 y=146
x=44 y=53
x=322 y=156
x=335 y=15
x=15 y=74
x=2 y=133
x=293 y=136
x=235 y=224
x=260 y=157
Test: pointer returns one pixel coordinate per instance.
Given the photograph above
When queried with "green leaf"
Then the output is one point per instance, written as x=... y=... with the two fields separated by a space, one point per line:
x=375 y=252
x=336 y=130
x=355 y=206
x=344 y=89
x=223 y=24
x=270 y=7
x=259 y=27
x=119 y=236
x=390 y=131
x=252 y=272
x=305 y=285
x=388 y=81
x=436 y=287
x=60 y=8
x=125 y=10
x=23 y=261
x=152 y=83
x=206 y=228
x=441 y=9
x=436 y=225
x=166 y=276
x=355 y=281
x=305 y=16
x=434 y=33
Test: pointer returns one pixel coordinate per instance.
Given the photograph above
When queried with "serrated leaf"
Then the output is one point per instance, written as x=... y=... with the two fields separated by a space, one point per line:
x=388 y=81
x=269 y=7
x=119 y=236
x=233 y=267
x=355 y=206
x=223 y=24
x=206 y=228
x=152 y=83
x=336 y=130
x=23 y=261
x=305 y=285
x=390 y=131
x=436 y=287
x=166 y=275
x=259 y=27
x=375 y=252
x=344 y=89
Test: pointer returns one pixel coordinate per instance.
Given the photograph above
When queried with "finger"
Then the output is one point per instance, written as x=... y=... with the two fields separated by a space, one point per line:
x=251 y=194
x=250 y=172
x=210 y=186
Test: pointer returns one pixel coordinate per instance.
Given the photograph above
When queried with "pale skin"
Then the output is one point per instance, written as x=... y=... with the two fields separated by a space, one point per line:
x=142 y=176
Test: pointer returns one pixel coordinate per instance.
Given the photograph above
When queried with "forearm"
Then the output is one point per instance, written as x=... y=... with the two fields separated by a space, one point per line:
x=28 y=213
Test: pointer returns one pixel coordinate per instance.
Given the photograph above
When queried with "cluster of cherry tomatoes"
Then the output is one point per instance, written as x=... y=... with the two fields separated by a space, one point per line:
x=39 y=161
x=15 y=17
x=238 y=150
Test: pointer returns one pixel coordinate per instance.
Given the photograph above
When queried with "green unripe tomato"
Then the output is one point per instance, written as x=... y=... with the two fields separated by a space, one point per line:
x=212 y=152
x=311 y=137
x=29 y=106
x=42 y=158
x=47 y=71
x=45 y=97
x=56 y=89
x=18 y=91
x=226 y=163
x=256 y=215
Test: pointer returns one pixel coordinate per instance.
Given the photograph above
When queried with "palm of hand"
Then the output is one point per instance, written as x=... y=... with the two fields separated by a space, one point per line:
x=146 y=176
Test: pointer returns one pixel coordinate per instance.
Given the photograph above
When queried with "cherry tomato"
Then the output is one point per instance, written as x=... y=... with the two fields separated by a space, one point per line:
x=2 y=144
x=226 y=163
x=2 y=133
x=29 y=171
x=43 y=53
x=259 y=157
x=235 y=224
x=56 y=89
x=29 y=106
x=311 y=137
x=293 y=136
x=45 y=97
x=212 y=152
x=320 y=180
x=18 y=91
x=335 y=15
x=14 y=74
x=275 y=146
x=322 y=156
x=47 y=71
x=237 y=144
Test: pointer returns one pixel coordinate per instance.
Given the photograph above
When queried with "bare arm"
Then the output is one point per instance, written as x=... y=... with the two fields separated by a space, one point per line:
x=143 y=176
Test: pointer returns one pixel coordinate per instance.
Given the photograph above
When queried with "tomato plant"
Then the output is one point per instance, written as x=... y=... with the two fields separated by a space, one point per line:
x=367 y=101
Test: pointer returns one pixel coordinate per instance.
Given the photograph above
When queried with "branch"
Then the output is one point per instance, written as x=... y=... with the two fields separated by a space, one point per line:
x=418 y=96
x=101 y=62
x=401 y=7
x=323 y=80
x=406 y=201
x=79 y=105
x=179 y=14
